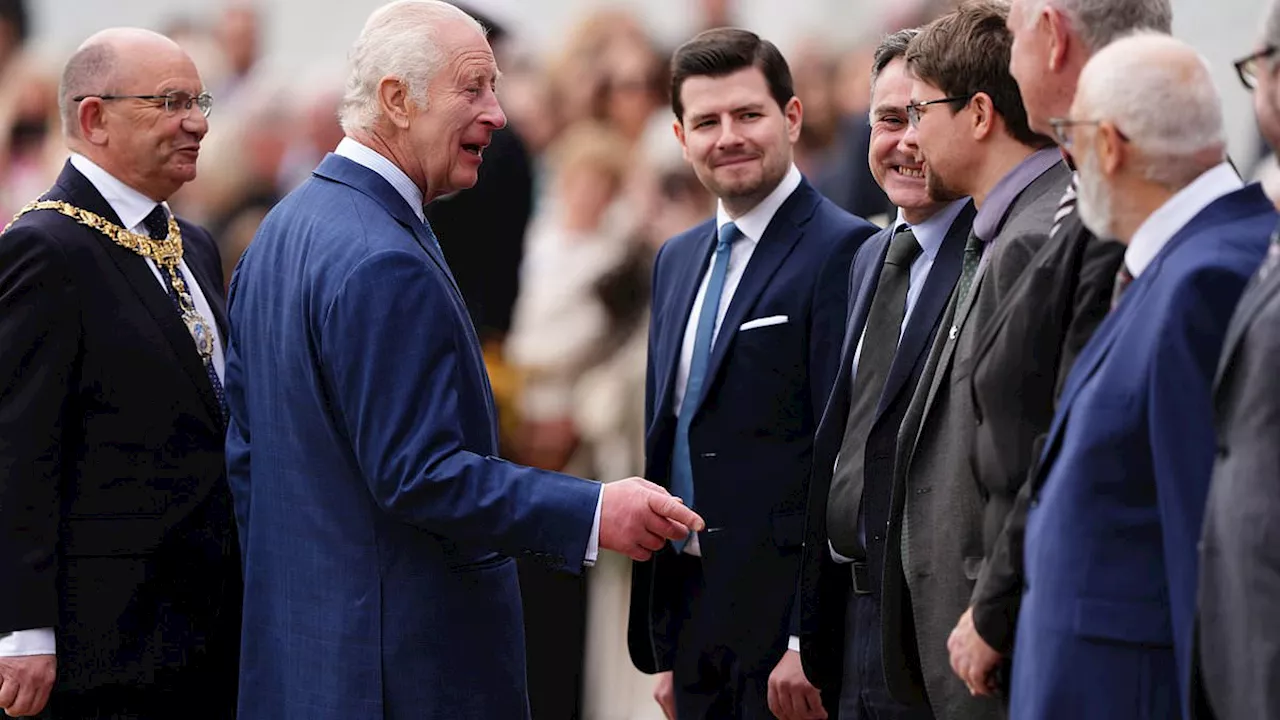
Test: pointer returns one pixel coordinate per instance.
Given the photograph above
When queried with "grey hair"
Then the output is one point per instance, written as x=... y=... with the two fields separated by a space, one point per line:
x=90 y=70
x=891 y=47
x=1170 y=112
x=1101 y=22
x=1271 y=24
x=399 y=40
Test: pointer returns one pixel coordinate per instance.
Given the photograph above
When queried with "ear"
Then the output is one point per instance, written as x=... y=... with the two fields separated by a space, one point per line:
x=984 y=116
x=393 y=97
x=678 y=127
x=1112 y=149
x=91 y=121
x=1059 y=30
x=793 y=111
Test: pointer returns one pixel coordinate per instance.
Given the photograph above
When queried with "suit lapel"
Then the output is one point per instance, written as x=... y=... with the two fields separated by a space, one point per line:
x=688 y=279
x=784 y=231
x=939 y=285
x=1259 y=291
x=153 y=296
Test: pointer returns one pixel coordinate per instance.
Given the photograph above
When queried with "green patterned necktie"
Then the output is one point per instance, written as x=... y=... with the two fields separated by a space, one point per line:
x=972 y=258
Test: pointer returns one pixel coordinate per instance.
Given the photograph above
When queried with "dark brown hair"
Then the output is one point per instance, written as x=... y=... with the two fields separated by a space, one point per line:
x=966 y=52
x=724 y=51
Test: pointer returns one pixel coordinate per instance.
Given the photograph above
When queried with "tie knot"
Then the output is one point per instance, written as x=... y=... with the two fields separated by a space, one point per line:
x=728 y=235
x=903 y=249
x=157 y=223
x=975 y=245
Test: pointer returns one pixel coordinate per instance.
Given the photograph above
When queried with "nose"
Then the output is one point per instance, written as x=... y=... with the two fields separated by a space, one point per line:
x=729 y=135
x=196 y=123
x=492 y=114
x=909 y=143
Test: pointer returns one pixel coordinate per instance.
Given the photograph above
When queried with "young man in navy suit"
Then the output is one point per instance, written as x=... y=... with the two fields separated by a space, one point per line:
x=748 y=315
x=1106 y=621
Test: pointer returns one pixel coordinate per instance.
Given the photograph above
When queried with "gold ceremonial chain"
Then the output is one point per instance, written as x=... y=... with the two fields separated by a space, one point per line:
x=166 y=253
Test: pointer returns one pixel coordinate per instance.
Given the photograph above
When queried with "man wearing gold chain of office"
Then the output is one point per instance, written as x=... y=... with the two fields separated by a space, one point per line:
x=117 y=544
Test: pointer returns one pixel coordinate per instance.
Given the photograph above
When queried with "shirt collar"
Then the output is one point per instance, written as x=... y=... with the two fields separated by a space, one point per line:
x=987 y=222
x=1157 y=230
x=131 y=206
x=933 y=231
x=754 y=222
x=366 y=156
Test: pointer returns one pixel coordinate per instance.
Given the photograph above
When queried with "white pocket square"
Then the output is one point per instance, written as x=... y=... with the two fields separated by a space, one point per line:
x=763 y=322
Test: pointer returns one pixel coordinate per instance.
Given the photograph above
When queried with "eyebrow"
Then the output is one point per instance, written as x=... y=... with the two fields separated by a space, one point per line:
x=888 y=109
x=749 y=107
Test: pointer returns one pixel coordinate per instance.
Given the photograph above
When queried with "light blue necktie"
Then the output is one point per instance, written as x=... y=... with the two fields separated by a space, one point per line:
x=681 y=462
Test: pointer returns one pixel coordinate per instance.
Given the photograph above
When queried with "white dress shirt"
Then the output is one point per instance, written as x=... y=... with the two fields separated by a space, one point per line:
x=751 y=225
x=1158 y=229
x=367 y=157
x=132 y=207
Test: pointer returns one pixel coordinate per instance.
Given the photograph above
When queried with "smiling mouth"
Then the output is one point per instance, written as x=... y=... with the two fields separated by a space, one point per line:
x=917 y=174
x=473 y=149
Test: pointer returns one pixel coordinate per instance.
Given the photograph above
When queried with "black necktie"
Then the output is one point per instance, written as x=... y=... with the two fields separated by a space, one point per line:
x=879 y=344
x=157 y=224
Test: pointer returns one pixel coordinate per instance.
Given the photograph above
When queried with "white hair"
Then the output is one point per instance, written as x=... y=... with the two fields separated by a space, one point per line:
x=399 y=40
x=1101 y=22
x=1271 y=24
x=1160 y=93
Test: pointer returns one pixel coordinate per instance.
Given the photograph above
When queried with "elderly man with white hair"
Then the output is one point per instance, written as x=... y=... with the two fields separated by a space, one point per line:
x=376 y=520
x=1239 y=597
x=1106 y=622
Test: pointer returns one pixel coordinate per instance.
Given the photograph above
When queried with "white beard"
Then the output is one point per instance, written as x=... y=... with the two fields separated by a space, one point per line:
x=1094 y=202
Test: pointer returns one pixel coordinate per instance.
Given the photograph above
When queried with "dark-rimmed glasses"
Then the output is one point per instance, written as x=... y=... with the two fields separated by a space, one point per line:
x=1062 y=130
x=913 y=110
x=171 y=102
x=1247 y=67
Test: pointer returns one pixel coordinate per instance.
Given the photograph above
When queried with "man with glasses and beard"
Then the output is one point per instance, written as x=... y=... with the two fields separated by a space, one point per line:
x=1105 y=628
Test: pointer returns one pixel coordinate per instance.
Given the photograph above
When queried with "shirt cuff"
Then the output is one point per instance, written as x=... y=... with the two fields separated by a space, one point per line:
x=593 y=544
x=793 y=643
x=21 y=643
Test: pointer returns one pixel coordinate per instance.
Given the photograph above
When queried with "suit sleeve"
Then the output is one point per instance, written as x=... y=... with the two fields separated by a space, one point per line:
x=40 y=334
x=830 y=308
x=1092 y=301
x=391 y=352
x=1182 y=439
x=238 y=439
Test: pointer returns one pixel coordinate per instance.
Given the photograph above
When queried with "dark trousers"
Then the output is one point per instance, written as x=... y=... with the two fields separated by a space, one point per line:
x=142 y=703
x=864 y=694
x=555 y=625
x=710 y=683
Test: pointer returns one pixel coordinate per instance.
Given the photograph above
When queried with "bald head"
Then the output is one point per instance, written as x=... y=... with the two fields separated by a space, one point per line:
x=106 y=61
x=1157 y=90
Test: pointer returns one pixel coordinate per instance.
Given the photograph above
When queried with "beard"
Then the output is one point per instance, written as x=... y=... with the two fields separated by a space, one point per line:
x=1094 y=202
x=937 y=187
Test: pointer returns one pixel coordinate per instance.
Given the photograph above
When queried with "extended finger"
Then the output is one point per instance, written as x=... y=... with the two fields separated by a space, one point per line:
x=671 y=507
x=665 y=527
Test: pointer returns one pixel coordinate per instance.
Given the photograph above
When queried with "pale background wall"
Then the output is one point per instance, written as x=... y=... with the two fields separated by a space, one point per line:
x=310 y=37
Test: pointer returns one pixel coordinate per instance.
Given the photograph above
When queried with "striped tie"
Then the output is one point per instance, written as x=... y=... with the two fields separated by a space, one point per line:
x=1065 y=208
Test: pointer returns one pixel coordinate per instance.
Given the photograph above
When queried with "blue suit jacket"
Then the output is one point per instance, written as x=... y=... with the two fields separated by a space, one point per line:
x=361 y=456
x=751 y=438
x=825 y=585
x=1106 y=621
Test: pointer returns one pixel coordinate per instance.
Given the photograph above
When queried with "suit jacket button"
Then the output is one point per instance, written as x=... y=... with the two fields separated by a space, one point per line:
x=1221 y=451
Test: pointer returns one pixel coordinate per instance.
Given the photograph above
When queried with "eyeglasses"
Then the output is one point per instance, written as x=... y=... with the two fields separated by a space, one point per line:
x=1247 y=67
x=1062 y=130
x=172 y=102
x=913 y=110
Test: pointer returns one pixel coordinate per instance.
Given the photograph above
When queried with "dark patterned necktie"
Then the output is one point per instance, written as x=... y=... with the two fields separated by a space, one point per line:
x=1123 y=279
x=157 y=224
x=1065 y=207
x=969 y=268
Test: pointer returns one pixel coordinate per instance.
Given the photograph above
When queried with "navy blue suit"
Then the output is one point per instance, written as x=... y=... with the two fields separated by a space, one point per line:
x=1106 y=621
x=750 y=441
x=362 y=459
x=825 y=585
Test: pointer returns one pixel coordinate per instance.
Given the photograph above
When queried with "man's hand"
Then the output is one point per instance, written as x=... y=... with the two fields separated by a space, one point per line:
x=637 y=518
x=25 y=684
x=972 y=658
x=665 y=694
x=791 y=695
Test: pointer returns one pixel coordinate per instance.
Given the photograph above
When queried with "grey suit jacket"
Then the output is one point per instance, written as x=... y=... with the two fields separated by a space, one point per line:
x=1239 y=593
x=938 y=507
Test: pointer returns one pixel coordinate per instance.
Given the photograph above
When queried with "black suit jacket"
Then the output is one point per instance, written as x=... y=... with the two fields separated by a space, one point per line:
x=824 y=584
x=1023 y=358
x=115 y=516
x=751 y=438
